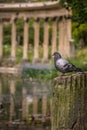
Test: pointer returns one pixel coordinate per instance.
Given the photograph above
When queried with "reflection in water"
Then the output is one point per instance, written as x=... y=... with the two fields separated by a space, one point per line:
x=24 y=104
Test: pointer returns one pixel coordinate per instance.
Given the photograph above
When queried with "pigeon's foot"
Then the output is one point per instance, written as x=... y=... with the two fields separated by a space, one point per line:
x=63 y=74
x=80 y=72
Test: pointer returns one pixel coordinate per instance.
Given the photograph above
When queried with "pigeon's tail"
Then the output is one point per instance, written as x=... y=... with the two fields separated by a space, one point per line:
x=78 y=70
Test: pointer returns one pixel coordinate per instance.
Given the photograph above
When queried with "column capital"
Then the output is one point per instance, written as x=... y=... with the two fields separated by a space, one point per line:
x=13 y=19
x=60 y=18
x=37 y=19
x=66 y=17
x=36 y=22
x=1 y=20
x=54 y=19
x=46 y=19
x=46 y=23
x=26 y=19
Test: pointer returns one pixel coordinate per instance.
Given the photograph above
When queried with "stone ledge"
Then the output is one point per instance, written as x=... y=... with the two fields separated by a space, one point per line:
x=30 y=6
x=10 y=70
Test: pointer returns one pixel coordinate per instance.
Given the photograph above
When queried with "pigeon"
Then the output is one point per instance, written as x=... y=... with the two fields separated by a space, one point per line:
x=63 y=65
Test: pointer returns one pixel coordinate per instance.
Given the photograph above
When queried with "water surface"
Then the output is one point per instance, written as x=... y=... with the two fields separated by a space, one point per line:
x=24 y=103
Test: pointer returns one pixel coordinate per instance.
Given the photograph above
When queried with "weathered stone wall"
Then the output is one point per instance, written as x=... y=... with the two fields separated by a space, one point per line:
x=69 y=111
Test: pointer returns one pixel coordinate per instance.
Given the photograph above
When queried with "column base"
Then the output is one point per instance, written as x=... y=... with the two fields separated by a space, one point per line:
x=36 y=60
x=1 y=58
x=24 y=60
x=1 y=61
x=11 y=61
x=45 y=60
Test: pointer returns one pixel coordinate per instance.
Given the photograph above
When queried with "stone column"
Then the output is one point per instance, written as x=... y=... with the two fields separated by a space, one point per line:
x=69 y=27
x=35 y=102
x=71 y=42
x=25 y=47
x=46 y=41
x=0 y=87
x=1 y=38
x=44 y=105
x=72 y=48
x=12 y=92
x=24 y=104
x=35 y=105
x=50 y=111
x=61 y=36
x=68 y=36
x=64 y=36
x=54 y=36
x=36 y=41
x=13 y=40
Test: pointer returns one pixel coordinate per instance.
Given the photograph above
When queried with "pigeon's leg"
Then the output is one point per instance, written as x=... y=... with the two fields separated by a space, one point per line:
x=62 y=74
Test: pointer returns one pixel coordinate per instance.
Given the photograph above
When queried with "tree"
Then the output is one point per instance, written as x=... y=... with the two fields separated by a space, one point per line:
x=79 y=18
x=79 y=8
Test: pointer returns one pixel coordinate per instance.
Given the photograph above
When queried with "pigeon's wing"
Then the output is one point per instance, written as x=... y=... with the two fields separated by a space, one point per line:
x=60 y=63
x=64 y=65
x=68 y=67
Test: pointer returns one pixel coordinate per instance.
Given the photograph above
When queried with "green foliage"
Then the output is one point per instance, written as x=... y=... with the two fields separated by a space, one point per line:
x=19 y=54
x=31 y=35
x=80 y=61
x=19 y=28
x=79 y=32
x=6 y=50
x=79 y=8
x=40 y=74
x=7 y=34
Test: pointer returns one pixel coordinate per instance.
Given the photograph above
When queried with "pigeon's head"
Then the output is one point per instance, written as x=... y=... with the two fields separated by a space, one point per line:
x=57 y=55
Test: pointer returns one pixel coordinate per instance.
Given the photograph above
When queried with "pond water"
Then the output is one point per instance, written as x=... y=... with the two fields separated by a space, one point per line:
x=25 y=104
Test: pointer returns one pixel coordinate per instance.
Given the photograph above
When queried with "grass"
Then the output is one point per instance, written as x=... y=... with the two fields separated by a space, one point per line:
x=81 y=59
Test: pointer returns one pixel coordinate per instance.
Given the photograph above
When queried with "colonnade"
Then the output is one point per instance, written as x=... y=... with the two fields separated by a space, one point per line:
x=60 y=40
